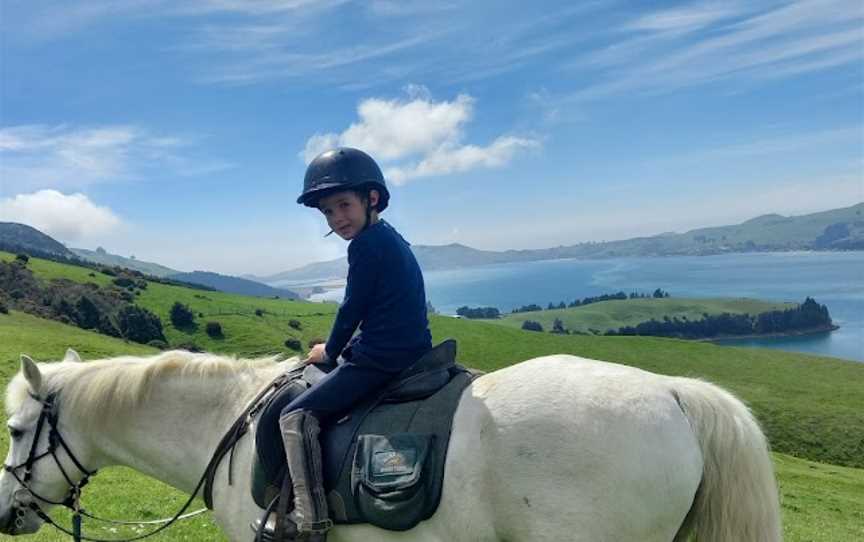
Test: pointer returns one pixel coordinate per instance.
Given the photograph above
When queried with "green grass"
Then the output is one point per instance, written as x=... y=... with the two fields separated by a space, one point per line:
x=809 y=406
x=606 y=315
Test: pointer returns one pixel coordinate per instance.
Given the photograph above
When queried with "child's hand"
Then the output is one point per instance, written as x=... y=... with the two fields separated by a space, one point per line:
x=316 y=355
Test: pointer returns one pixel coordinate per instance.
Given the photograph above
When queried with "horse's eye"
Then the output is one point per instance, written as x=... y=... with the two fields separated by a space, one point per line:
x=15 y=433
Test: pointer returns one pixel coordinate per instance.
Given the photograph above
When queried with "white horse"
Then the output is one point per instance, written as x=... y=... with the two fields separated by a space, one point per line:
x=555 y=448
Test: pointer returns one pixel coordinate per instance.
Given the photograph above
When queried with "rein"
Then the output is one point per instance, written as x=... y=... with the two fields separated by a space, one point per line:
x=49 y=414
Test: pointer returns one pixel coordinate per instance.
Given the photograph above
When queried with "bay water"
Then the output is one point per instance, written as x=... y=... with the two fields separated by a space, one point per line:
x=835 y=279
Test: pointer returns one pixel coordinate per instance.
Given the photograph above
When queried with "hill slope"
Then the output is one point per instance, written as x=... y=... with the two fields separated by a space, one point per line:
x=100 y=256
x=234 y=285
x=16 y=237
x=838 y=229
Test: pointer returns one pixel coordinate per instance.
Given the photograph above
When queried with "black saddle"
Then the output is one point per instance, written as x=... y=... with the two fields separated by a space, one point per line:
x=383 y=462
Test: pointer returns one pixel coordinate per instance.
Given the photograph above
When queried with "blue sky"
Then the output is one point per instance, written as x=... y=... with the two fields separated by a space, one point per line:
x=179 y=131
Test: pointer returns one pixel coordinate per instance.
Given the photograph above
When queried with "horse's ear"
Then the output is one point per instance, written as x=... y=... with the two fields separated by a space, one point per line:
x=72 y=355
x=31 y=373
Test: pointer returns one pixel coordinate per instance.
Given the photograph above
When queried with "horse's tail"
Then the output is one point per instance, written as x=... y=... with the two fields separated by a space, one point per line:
x=738 y=497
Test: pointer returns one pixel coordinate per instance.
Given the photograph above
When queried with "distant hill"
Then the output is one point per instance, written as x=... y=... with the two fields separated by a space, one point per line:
x=233 y=285
x=16 y=237
x=839 y=229
x=101 y=256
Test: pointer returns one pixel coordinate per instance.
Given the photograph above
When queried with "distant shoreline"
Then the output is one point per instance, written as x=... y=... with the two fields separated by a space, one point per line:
x=794 y=333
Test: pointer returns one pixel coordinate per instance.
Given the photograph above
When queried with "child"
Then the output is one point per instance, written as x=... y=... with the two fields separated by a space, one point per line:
x=385 y=296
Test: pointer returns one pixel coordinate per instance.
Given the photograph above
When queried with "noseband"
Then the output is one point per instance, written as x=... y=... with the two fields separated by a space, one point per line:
x=55 y=441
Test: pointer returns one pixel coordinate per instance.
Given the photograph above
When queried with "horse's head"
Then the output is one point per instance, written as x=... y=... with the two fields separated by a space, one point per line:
x=45 y=454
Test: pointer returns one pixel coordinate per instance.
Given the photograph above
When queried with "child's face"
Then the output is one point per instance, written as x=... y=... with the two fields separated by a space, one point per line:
x=345 y=212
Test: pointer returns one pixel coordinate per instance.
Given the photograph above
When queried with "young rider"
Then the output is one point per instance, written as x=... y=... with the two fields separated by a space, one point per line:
x=384 y=296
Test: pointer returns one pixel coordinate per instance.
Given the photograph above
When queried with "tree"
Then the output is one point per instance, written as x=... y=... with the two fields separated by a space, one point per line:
x=181 y=315
x=558 y=327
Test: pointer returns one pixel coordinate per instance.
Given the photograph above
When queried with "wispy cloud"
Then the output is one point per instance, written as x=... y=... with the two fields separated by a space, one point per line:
x=419 y=137
x=277 y=63
x=790 y=40
x=63 y=157
x=687 y=18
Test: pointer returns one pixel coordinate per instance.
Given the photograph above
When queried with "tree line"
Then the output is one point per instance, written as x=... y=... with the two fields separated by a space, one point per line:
x=533 y=307
x=806 y=316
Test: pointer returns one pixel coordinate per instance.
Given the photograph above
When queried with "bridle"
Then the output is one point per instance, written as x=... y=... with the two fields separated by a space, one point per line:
x=49 y=415
x=55 y=440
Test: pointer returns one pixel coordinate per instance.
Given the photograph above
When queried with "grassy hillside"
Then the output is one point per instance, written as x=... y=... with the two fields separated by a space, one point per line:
x=614 y=314
x=821 y=502
x=809 y=406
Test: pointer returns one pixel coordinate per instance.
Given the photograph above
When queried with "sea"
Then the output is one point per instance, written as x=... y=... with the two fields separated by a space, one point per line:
x=834 y=279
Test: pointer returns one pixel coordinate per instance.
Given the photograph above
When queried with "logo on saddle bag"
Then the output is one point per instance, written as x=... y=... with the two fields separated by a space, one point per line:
x=389 y=479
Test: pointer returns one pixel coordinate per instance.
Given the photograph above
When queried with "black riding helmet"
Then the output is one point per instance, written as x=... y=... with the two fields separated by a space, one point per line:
x=340 y=169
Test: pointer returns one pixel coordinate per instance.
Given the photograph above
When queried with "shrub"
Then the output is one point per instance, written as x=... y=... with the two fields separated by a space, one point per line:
x=156 y=343
x=214 y=329
x=3 y=308
x=200 y=315
x=259 y=312
x=293 y=344
x=139 y=325
x=87 y=313
x=295 y=324
x=108 y=271
x=107 y=326
x=531 y=325
x=181 y=315
x=23 y=258
x=123 y=282
x=91 y=274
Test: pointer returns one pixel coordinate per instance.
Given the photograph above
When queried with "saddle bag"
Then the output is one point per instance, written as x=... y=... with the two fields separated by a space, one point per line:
x=390 y=479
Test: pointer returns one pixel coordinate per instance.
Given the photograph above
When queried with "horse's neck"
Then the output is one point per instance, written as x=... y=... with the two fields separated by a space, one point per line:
x=175 y=430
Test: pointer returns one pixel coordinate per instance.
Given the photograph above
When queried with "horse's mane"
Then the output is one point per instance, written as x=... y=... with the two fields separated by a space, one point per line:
x=92 y=388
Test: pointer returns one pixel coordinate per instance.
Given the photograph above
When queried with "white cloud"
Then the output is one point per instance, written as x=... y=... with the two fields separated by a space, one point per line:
x=445 y=160
x=419 y=137
x=72 y=217
x=40 y=156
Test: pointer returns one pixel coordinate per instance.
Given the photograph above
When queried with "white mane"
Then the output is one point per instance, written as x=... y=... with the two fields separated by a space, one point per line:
x=119 y=384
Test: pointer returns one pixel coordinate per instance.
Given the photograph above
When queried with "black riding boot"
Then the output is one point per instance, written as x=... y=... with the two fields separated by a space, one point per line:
x=308 y=521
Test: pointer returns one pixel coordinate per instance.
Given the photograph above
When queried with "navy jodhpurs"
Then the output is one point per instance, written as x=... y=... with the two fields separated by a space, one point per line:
x=341 y=389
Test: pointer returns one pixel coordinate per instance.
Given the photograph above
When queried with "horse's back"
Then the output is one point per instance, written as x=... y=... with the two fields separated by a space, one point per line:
x=565 y=448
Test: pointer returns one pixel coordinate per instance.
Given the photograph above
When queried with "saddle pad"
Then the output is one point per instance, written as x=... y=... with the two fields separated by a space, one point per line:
x=432 y=418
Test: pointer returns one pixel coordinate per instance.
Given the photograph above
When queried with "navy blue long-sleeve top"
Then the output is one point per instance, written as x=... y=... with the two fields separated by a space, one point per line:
x=386 y=297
